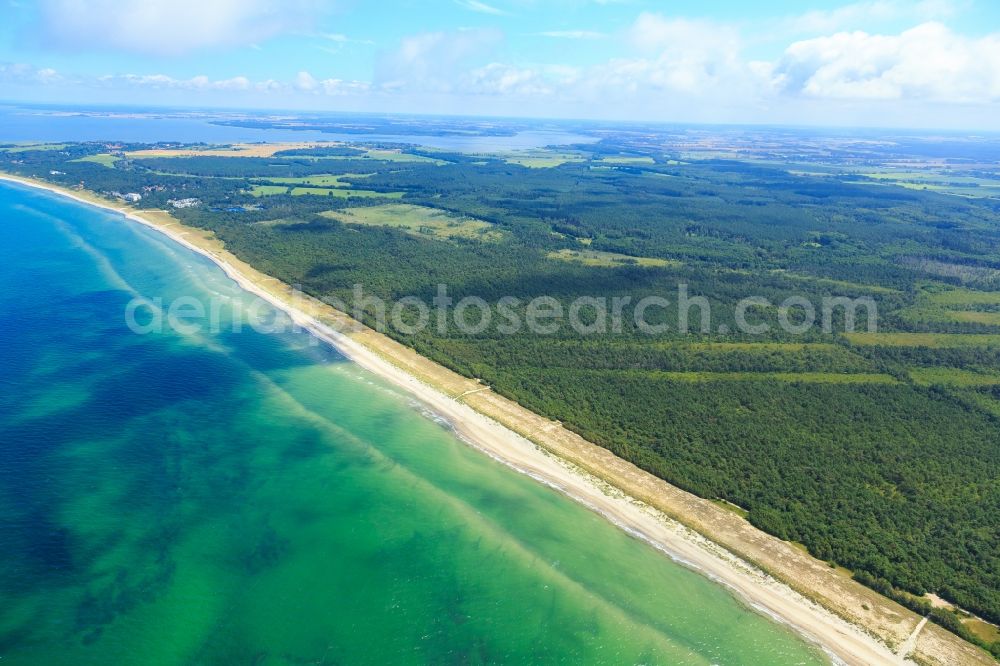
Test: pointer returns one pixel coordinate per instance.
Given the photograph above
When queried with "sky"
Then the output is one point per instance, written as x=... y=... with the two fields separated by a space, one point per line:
x=874 y=63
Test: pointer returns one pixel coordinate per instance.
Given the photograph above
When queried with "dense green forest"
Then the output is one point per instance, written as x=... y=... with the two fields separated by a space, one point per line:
x=879 y=452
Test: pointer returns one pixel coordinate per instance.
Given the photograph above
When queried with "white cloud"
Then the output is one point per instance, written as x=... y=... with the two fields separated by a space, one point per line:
x=928 y=62
x=481 y=7
x=867 y=13
x=667 y=67
x=846 y=16
x=704 y=63
x=341 y=87
x=692 y=56
x=335 y=42
x=657 y=33
x=14 y=72
x=673 y=56
x=235 y=83
x=338 y=38
x=572 y=34
x=270 y=86
x=436 y=61
x=47 y=75
x=307 y=83
x=162 y=81
x=500 y=79
x=677 y=62
x=304 y=83
x=169 y=27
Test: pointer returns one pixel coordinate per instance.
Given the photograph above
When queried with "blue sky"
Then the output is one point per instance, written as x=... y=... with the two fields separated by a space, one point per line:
x=930 y=63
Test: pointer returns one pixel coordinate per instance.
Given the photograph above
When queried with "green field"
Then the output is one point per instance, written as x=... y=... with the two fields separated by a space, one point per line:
x=933 y=340
x=939 y=306
x=338 y=192
x=320 y=180
x=344 y=193
x=418 y=220
x=22 y=148
x=379 y=155
x=939 y=180
x=541 y=159
x=267 y=190
x=954 y=377
x=955 y=297
x=400 y=156
x=840 y=284
x=806 y=377
x=783 y=347
x=974 y=317
x=104 y=159
x=628 y=160
x=990 y=633
x=608 y=259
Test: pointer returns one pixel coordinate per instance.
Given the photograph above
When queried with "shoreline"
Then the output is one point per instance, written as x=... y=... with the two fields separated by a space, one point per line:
x=591 y=476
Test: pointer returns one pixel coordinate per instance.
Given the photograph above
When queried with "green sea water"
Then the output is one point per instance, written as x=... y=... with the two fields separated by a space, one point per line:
x=222 y=497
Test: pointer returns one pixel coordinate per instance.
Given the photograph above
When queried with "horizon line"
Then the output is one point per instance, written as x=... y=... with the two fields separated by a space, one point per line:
x=473 y=116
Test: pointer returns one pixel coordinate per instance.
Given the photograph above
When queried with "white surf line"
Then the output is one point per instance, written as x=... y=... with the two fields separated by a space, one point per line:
x=841 y=641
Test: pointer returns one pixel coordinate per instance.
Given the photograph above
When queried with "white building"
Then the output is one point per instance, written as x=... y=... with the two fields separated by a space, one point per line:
x=184 y=203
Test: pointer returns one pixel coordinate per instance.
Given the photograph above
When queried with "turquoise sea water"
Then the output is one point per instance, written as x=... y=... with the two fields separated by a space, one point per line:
x=248 y=498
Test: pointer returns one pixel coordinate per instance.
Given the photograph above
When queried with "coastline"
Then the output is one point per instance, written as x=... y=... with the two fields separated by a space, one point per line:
x=704 y=538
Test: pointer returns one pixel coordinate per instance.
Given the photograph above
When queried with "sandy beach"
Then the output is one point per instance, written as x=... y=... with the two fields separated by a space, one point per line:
x=616 y=490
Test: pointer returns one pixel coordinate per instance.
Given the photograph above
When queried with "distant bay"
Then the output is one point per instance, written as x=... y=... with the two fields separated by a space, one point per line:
x=29 y=125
